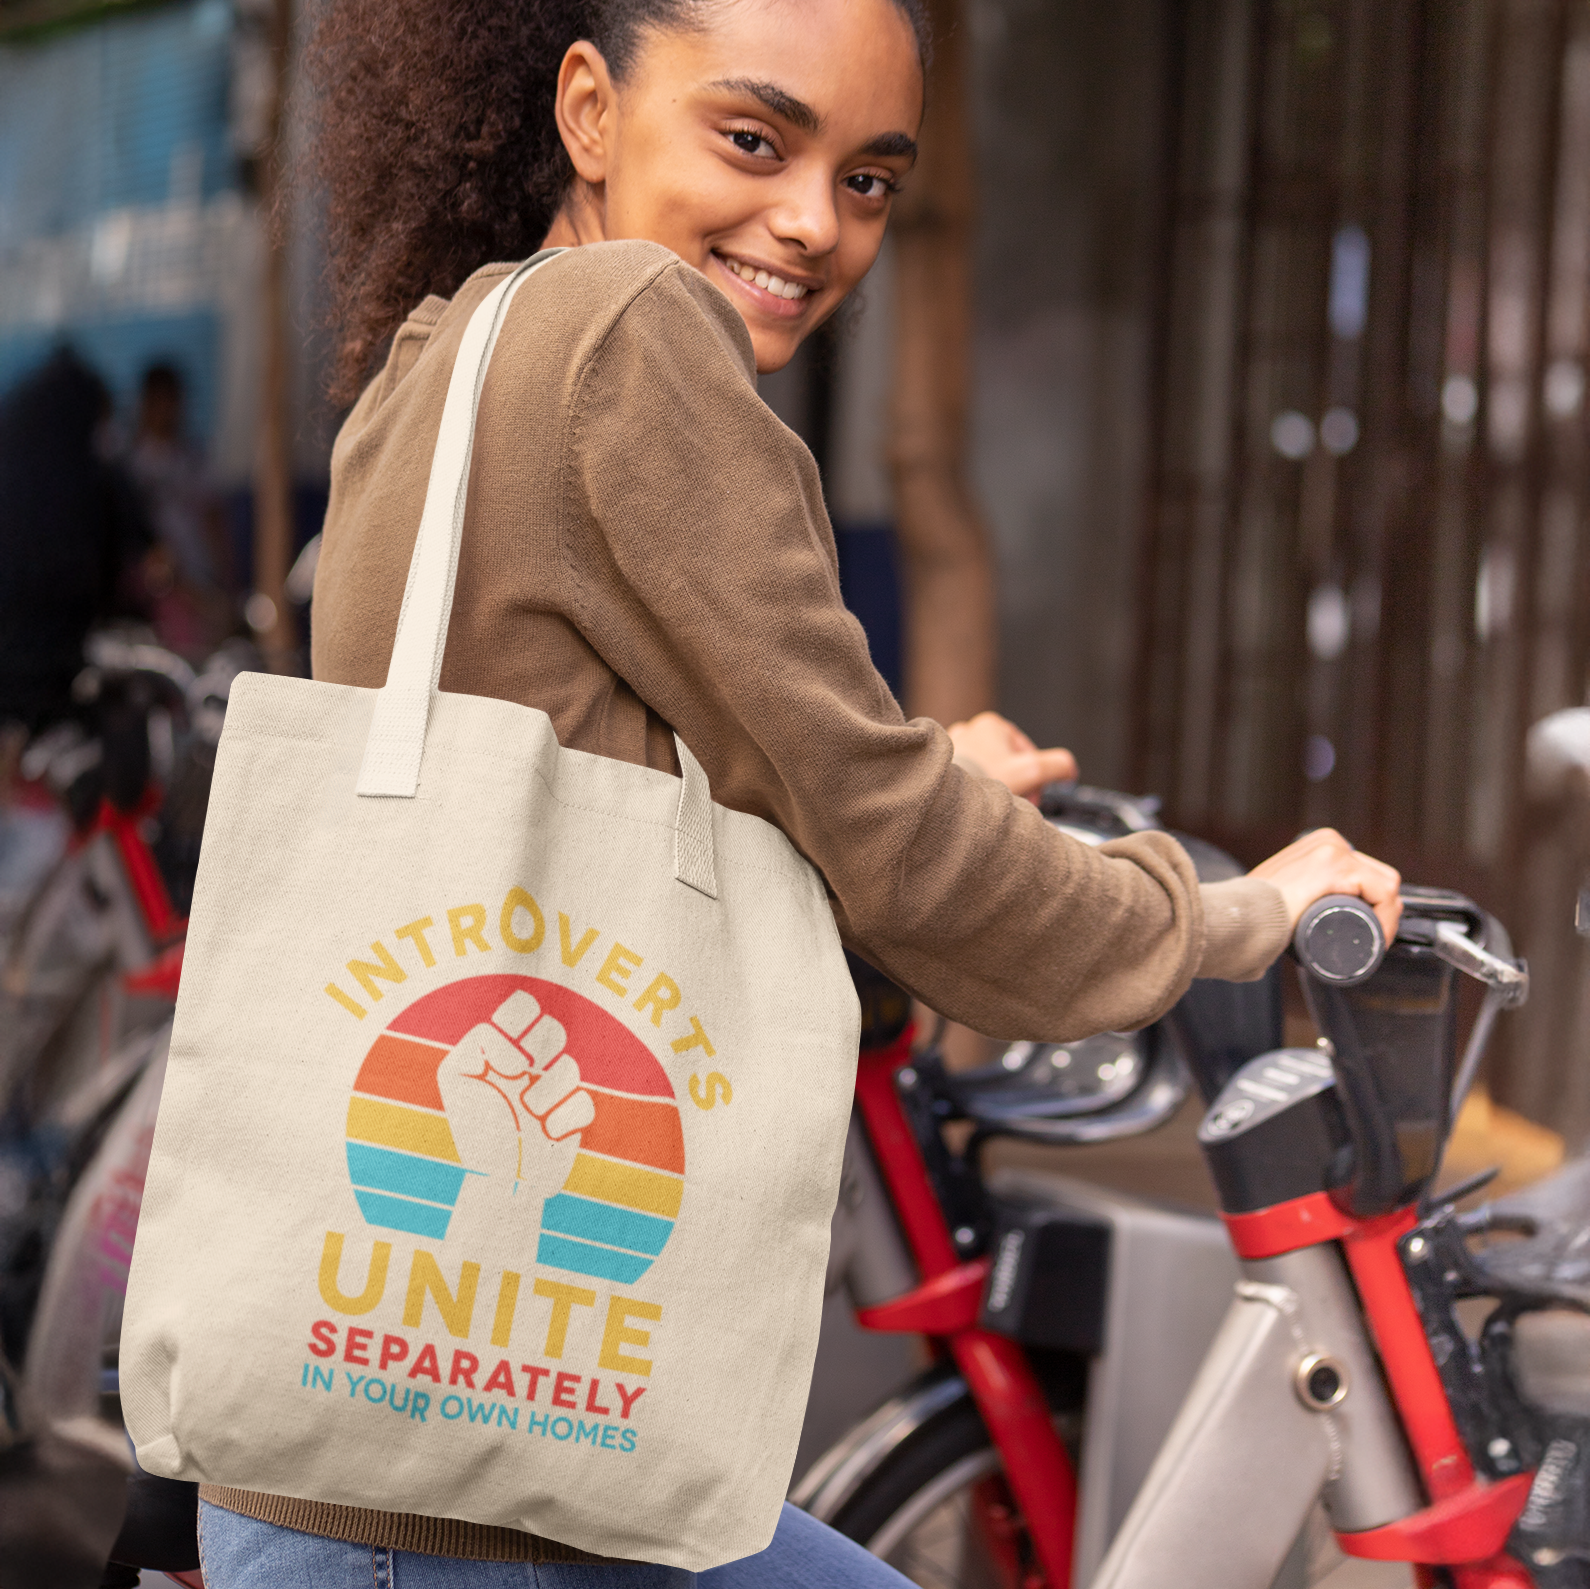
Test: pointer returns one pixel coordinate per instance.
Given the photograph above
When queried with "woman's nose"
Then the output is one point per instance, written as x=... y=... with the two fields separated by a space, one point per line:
x=805 y=213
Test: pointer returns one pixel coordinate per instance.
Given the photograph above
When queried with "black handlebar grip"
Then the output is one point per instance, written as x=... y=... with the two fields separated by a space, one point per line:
x=1339 y=940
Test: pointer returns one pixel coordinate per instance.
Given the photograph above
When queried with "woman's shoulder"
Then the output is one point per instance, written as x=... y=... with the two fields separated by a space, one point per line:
x=636 y=294
x=632 y=294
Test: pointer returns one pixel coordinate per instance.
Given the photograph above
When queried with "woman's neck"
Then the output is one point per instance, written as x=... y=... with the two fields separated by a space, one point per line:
x=579 y=220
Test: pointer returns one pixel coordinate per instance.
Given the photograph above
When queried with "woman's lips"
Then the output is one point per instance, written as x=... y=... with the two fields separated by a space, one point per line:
x=771 y=293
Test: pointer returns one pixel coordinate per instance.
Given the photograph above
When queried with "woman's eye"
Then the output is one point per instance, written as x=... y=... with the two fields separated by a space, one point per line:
x=751 y=143
x=869 y=185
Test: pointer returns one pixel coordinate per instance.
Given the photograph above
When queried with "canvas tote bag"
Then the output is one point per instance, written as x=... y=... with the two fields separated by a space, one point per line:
x=504 y=1115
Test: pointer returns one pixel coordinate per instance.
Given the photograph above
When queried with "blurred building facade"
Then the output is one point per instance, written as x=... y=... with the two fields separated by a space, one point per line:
x=1279 y=419
x=1277 y=414
x=1368 y=527
x=129 y=220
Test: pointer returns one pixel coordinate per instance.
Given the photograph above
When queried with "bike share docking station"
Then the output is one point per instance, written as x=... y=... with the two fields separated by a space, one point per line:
x=1063 y=1315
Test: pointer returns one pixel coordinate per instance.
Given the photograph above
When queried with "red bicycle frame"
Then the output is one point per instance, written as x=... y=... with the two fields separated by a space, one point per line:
x=165 y=927
x=1465 y=1527
x=1463 y=1530
x=944 y=1307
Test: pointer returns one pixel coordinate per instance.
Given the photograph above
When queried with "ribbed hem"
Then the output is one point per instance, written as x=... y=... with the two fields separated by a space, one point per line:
x=1246 y=926
x=425 y=1536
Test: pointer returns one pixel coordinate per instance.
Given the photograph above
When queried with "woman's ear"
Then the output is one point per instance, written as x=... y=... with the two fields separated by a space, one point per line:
x=584 y=108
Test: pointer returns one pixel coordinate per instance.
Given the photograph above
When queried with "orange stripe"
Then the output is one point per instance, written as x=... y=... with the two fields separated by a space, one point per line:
x=400 y=1068
x=639 y=1130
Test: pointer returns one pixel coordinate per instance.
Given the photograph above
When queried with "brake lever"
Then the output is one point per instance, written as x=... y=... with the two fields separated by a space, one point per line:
x=1509 y=978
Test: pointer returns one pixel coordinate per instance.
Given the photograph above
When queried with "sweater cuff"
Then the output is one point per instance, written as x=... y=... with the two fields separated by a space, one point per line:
x=1246 y=926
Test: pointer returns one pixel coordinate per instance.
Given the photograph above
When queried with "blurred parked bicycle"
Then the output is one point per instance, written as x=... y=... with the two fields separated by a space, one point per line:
x=88 y=981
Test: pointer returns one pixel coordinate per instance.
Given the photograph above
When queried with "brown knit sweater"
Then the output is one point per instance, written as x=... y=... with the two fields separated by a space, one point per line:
x=646 y=550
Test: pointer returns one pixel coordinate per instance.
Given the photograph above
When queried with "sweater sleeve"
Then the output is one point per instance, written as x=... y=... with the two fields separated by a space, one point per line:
x=1245 y=927
x=703 y=571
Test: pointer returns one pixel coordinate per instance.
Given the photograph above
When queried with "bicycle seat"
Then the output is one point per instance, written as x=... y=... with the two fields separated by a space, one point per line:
x=1112 y=1085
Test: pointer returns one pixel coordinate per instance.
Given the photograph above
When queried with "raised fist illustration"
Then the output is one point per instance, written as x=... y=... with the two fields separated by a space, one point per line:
x=515 y=1105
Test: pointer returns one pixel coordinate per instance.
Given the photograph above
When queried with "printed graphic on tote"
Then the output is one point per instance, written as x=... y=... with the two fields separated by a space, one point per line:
x=499 y=1099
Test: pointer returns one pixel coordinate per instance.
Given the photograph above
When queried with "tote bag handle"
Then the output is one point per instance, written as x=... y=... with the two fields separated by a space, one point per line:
x=395 y=749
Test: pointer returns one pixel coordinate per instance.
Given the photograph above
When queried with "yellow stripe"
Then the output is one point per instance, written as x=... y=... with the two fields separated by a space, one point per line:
x=645 y=1190
x=393 y=1126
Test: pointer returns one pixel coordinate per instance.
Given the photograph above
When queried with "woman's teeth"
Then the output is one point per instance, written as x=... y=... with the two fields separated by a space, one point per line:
x=767 y=281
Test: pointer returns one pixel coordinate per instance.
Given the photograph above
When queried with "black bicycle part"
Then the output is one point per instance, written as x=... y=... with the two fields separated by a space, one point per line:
x=1277 y=1132
x=1050 y=1281
x=885 y=1006
x=929 y=1102
x=1500 y=1431
x=1392 y=1044
x=1221 y=1026
x=1224 y=1025
x=1339 y=941
x=1365 y=1117
x=161 y=1526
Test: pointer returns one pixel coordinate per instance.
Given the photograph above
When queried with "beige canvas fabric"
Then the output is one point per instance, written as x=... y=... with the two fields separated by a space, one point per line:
x=503 y=1120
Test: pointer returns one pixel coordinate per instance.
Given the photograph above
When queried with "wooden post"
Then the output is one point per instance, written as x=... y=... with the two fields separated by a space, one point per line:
x=273 y=499
x=946 y=562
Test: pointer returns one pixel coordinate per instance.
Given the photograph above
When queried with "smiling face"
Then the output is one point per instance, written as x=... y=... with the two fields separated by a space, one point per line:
x=762 y=145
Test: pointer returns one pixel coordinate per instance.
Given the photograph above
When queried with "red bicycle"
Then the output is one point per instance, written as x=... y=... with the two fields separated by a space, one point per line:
x=1065 y=1323
x=1412 y=1373
x=89 y=982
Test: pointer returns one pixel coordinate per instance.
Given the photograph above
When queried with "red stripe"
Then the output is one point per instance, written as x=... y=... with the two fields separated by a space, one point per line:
x=1284 y=1227
x=609 y=1054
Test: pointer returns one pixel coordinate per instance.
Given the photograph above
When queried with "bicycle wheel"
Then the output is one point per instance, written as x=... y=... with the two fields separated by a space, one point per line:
x=938 y=1509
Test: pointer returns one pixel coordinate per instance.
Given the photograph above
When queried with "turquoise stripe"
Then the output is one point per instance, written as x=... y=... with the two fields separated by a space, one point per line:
x=397 y=1213
x=406 y=1174
x=617 y=1227
x=602 y=1263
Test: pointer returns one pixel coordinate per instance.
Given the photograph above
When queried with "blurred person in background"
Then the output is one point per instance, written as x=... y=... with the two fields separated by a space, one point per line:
x=188 y=575
x=72 y=532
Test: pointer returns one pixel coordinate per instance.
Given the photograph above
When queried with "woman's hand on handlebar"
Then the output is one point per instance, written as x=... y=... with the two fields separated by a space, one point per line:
x=1002 y=752
x=1323 y=862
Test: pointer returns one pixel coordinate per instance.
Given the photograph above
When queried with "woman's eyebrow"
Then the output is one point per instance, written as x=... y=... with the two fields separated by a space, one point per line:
x=799 y=114
x=891 y=143
x=782 y=103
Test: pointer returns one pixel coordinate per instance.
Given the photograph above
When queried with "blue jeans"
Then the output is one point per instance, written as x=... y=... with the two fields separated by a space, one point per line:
x=240 y=1553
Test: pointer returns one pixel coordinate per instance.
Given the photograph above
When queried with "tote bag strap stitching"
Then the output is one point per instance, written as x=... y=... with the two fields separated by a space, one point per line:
x=395 y=747
x=396 y=743
x=693 y=846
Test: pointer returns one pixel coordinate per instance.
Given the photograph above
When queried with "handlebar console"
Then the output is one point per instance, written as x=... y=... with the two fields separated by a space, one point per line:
x=1387 y=1014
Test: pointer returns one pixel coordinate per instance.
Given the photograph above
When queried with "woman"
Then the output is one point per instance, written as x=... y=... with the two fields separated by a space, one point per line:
x=646 y=548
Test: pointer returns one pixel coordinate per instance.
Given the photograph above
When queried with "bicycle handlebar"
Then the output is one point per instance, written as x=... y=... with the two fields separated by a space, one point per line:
x=1340 y=941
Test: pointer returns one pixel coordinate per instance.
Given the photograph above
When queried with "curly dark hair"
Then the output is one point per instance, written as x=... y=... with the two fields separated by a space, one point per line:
x=437 y=148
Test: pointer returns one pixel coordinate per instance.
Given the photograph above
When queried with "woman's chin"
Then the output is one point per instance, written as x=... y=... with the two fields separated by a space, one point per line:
x=773 y=349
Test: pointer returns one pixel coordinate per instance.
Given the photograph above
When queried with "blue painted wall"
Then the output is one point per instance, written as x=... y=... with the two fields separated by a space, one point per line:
x=90 y=122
